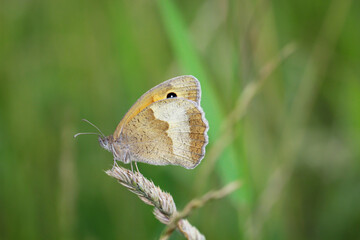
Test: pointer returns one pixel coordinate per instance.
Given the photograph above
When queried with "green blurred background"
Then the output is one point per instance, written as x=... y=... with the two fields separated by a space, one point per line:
x=281 y=92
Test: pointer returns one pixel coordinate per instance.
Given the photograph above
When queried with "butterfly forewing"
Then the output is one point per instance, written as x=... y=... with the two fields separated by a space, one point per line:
x=187 y=87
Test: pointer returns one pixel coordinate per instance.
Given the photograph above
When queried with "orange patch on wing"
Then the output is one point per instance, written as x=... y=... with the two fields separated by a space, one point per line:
x=197 y=134
x=141 y=104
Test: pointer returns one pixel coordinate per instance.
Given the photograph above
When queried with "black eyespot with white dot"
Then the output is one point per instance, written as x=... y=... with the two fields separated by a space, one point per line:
x=171 y=95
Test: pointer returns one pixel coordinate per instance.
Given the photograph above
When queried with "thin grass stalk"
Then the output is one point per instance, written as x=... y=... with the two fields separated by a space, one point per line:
x=294 y=134
x=226 y=137
x=163 y=203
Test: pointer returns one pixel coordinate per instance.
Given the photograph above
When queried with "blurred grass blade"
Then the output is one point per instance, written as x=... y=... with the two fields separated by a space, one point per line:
x=191 y=63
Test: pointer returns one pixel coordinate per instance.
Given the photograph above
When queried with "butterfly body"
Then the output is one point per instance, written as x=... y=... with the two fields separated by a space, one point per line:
x=165 y=126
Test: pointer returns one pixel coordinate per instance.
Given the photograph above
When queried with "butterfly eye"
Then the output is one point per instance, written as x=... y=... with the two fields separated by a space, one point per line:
x=171 y=95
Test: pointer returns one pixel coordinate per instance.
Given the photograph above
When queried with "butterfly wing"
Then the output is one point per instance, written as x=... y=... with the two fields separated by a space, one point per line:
x=183 y=86
x=171 y=131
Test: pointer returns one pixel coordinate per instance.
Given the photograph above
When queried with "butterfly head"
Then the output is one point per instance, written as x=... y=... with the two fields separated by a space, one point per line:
x=115 y=147
x=106 y=142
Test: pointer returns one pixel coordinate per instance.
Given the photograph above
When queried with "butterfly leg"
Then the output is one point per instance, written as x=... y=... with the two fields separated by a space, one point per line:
x=137 y=167
x=115 y=164
x=131 y=166
x=127 y=159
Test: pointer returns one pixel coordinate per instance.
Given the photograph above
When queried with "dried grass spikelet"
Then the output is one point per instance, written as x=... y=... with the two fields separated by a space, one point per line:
x=164 y=205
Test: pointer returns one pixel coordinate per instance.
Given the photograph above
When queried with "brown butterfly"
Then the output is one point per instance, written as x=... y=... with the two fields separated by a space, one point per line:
x=165 y=126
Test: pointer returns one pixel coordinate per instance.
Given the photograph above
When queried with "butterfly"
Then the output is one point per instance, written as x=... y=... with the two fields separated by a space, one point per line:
x=165 y=126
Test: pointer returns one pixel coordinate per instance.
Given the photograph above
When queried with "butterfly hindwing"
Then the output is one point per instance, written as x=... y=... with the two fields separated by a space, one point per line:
x=170 y=131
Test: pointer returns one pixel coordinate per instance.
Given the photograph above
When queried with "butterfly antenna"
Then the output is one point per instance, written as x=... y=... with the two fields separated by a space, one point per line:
x=85 y=120
x=86 y=133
